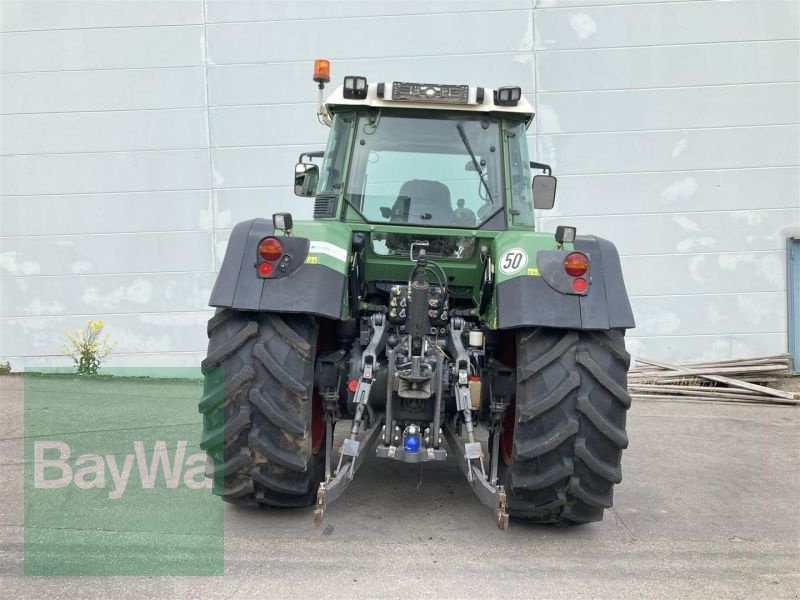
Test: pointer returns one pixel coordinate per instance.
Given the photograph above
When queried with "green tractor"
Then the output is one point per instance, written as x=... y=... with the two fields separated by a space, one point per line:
x=421 y=307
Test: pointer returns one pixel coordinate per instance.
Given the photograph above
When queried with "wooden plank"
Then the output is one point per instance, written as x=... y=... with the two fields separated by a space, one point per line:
x=728 y=370
x=782 y=359
x=772 y=401
x=746 y=361
x=691 y=389
x=767 y=391
x=756 y=398
x=679 y=377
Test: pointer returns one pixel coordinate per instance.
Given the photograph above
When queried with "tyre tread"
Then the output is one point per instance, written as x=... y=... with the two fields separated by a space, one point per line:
x=257 y=408
x=570 y=425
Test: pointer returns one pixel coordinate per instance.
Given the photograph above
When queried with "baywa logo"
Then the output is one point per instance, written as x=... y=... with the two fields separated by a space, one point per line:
x=52 y=468
x=115 y=477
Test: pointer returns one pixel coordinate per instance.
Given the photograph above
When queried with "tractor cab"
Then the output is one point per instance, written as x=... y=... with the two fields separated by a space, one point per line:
x=425 y=155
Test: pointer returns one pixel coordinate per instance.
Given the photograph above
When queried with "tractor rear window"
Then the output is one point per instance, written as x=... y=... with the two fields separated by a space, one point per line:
x=399 y=244
x=441 y=172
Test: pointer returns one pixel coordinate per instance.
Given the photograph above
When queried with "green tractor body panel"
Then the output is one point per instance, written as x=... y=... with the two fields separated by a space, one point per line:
x=522 y=296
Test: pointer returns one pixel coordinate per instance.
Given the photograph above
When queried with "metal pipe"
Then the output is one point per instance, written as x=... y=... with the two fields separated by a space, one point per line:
x=388 y=436
x=495 y=453
x=328 y=447
x=437 y=406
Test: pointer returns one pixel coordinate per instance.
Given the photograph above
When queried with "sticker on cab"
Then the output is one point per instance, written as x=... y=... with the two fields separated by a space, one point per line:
x=513 y=261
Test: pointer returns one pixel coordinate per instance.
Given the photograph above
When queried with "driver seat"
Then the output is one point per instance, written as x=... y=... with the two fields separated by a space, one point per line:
x=420 y=197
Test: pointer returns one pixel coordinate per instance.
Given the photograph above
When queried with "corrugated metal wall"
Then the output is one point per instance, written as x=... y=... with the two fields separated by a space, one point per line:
x=134 y=134
x=674 y=126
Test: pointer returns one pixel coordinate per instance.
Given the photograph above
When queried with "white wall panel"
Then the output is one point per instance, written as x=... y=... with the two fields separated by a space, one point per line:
x=114 y=48
x=679 y=150
x=102 y=90
x=682 y=233
x=47 y=133
x=105 y=213
x=690 y=348
x=710 y=314
x=643 y=24
x=284 y=10
x=271 y=125
x=104 y=172
x=221 y=238
x=272 y=41
x=543 y=4
x=687 y=191
x=710 y=273
x=672 y=108
x=157 y=332
x=105 y=254
x=234 y=205
x=257 y=166
x=668 y=66
x=92 y=294
x=662 y=120
x=25 y=15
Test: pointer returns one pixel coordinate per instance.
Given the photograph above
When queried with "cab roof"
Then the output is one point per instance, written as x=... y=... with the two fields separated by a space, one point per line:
x=380 y=95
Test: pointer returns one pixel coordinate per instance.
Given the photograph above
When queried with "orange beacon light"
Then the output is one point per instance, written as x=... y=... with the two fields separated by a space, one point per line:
x=322 y=71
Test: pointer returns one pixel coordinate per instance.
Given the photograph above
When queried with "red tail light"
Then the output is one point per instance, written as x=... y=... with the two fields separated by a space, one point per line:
x=270 y=249
x=576 y=264
x=580 y=284
x=265 y=269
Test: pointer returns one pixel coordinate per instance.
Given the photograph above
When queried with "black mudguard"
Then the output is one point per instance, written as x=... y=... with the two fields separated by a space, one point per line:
x=532 y=302
x=304 y=288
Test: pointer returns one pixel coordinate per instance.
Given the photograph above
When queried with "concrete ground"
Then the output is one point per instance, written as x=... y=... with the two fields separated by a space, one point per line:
x=709 y=508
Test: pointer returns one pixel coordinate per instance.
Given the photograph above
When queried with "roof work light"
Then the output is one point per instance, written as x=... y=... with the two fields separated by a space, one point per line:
x=507 y=96
x=355 y=87
x=565 y=234
x=282 y=222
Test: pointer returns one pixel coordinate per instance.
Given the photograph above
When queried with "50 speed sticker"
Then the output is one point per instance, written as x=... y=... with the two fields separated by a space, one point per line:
x=513 y=261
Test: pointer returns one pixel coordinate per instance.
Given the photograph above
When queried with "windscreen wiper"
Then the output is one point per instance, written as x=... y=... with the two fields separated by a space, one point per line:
x=474 y=160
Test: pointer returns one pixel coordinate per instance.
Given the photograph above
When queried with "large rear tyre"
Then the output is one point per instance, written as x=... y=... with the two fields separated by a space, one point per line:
x=259 y=409
x=561 y=451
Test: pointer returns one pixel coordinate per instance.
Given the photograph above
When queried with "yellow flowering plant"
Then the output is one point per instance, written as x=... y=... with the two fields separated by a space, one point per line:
x=88 y=348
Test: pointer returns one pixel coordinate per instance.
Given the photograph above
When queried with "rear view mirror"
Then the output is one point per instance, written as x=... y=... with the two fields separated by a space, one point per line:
x=306 y=177
x=544 y=191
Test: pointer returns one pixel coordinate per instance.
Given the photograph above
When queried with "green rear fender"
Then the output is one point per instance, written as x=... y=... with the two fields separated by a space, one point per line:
x=314 y=281
x=529 y=290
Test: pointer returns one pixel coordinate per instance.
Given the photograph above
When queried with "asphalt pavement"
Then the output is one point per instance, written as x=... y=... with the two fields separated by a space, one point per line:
x=709 y=507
